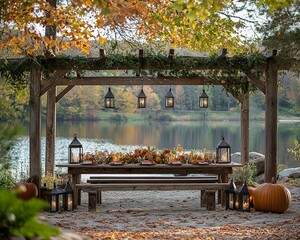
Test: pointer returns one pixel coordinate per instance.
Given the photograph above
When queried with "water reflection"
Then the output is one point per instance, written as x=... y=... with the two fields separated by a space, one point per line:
x=191 y=135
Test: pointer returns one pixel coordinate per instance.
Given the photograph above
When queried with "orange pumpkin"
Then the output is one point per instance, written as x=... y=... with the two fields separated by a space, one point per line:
x=272 y=197
x=26 y=190
x=251 y=190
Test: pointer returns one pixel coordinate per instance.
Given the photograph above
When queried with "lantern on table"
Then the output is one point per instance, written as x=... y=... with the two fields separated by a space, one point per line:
x=223 y=152
x=230 y=194
x=56 y=199
x=68 y=197
x=75 y=151
x=243 y=198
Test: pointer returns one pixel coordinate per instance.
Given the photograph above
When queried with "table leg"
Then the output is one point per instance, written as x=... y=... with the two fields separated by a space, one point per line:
x=76 y=180
x=224 y=179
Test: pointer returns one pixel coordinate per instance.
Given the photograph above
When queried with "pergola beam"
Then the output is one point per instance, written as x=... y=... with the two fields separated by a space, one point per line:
x=63 y=92
x=135 y=81
x=52 y=81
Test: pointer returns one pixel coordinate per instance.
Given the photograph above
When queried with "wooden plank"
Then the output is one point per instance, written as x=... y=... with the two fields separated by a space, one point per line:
x=63 y=93
x=149 y=180
x=123 y=81
x=257 y=82
x=271 y=118
x=53 y=80
x=151 y=186
x=245 y=128
x=35 y=125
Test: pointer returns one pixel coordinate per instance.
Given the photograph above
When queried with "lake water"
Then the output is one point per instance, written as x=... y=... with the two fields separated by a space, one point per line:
x=119 y=136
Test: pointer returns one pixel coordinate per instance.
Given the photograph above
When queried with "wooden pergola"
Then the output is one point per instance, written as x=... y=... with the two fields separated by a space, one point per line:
x=39 y=87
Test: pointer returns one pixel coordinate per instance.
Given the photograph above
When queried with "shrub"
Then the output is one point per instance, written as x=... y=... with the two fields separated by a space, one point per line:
x=295 y=151
x=18 y=217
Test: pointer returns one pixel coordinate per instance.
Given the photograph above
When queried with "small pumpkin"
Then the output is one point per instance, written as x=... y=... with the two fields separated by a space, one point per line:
x=251 y=192
x=26 y=190
x=272 y=197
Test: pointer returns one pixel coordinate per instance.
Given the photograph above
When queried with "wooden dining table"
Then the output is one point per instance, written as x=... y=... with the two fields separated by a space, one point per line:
x=76 y=170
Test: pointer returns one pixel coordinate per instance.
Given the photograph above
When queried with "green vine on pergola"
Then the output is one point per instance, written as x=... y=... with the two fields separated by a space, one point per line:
x=230 y=72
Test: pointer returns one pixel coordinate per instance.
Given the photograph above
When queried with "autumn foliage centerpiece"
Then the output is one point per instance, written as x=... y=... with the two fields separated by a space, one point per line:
x=150 y=156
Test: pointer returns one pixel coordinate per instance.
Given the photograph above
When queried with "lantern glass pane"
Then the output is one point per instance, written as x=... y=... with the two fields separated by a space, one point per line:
x=231 y=201
x=75 y=154
x=141 y=102
x=53 y=203
x=61 y=201
x=246 y=202
x=69 y=202
x=169 y=102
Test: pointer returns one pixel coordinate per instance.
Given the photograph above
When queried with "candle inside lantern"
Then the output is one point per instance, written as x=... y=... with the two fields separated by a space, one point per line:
x=237 y=204
x=53 y=203
x=230 y=200
x=70 y=202
x=245 y=205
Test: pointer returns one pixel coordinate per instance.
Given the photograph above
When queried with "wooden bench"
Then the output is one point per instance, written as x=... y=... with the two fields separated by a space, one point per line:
x=209 y=188
x=152 y=179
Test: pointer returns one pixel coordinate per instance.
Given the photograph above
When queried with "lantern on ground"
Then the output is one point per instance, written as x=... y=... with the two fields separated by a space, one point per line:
x=109 y=99
x=68 y=197
x=169 y=99
x=230 y=194
x=243 y=198
x=141 y=99
x=56 y=198
x=203 y=100
x=75 y=151
x=223 y=152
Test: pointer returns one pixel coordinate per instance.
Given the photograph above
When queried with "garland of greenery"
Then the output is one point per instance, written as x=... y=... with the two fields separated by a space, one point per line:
x=213 y=68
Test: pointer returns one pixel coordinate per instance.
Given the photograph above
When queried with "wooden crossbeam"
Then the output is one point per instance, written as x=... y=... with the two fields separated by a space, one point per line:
x=257 y=82
x=63 y=92
x=53 y=81
x=135 y=81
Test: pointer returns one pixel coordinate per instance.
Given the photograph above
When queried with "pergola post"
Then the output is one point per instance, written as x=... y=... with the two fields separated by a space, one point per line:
x=245 y=128
x=50 y=131
x=35 y=125
x=271 y=117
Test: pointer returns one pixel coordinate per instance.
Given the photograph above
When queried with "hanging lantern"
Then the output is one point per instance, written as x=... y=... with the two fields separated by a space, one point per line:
x=230 y=194
x=243 y=198
x=223 y=152
x=169 y=99
x=56 y=198
x=203 y=100
x=75 y=151
x=141 y=99
x=109 y=99
x=68 y=197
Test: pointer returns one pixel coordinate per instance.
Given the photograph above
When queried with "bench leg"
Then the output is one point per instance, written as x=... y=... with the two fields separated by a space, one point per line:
x=203 y=198
x=211 y=200
x=79 y=197
x=99 y=197
x=92 y=201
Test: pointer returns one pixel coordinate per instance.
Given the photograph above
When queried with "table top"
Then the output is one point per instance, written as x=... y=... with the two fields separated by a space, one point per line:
x=214 y=168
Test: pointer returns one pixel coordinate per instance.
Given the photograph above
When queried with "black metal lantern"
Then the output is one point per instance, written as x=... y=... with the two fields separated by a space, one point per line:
x=243 y=198
x=203 y=100
x=75 y=151
x=223 y=152
x=68 y=197
x=109 y=99
x=56 y=199
x=169 y=99
x=141 y=99
x=230 y=194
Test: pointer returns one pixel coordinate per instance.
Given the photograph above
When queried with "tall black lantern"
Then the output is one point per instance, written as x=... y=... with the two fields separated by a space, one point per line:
x=243 y=198
x=203 y=100
x=169 y=99
x=230 y=194
x=56 y=199
x=68 y=197
x=109 y=99
x=141 y=99
x=75 y=151
x=223 y=152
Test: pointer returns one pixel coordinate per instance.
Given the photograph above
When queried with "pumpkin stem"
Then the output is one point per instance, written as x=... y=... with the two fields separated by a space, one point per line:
x=273 y=180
